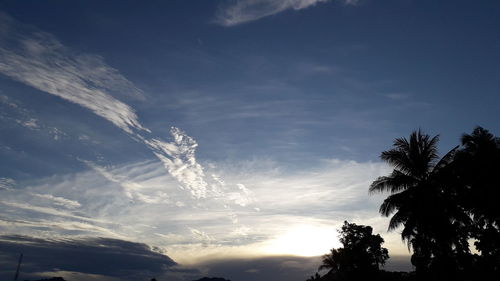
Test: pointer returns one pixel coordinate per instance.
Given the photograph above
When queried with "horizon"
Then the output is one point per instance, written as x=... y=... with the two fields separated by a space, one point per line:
x=225 y=130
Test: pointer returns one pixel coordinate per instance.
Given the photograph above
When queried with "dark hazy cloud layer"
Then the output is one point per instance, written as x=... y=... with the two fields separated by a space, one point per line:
x=98 y=256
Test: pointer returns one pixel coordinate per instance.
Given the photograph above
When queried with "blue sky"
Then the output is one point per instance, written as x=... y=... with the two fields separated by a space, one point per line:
x=216 y=129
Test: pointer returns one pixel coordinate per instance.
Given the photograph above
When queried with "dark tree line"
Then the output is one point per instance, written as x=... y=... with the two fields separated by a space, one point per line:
x=442 y=203
x=439 y=204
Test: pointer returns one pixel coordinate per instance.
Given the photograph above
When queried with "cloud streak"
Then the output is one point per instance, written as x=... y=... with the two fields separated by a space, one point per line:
x=60 y=201
x=38 y=59
x=123 y=202
x=243 y=11
x=182 y=163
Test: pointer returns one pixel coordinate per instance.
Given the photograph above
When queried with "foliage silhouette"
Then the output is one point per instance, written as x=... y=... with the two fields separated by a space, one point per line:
x=421 y=201
x=361 y=253
x=442 y=203
x=478 y=168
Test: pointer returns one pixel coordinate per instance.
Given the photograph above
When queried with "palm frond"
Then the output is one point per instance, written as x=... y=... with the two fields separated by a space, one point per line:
x=395 y=221
x=390 y=204
x=397 y=158
x=445 y=160
x=393 y=183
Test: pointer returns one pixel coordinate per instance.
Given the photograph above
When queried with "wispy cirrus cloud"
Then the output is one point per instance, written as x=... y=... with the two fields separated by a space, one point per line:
x=242 y=11
x=59 y=201
x=124 y=202
x=7 y=183
x=38 y=59
x=182 y=163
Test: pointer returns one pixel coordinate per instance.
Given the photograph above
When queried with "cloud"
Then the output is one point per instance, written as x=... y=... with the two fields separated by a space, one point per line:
x=200 y=235
x=180 y=161
x=242 y=11
x=7 y=183
x=95 y=256
x=237 y=208
x=31 y=123
x=133 y=190
x=13 y=112
x=290 y=268
x=66 y=228
x=123 y=202
x=268 y=268
x=114 y=259
x=49 y=211
x=38 y=59
x=60 y=201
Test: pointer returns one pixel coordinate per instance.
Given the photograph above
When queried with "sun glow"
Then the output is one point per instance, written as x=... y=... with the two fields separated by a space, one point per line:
x=304 y=240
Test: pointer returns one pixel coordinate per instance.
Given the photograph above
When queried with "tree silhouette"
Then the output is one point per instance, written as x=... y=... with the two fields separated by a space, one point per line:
x=334 y=260
x=361 y=253
x=478 y=167
x=421 y=201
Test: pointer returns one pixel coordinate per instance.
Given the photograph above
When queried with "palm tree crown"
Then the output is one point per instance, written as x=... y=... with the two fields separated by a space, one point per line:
x=418 y=203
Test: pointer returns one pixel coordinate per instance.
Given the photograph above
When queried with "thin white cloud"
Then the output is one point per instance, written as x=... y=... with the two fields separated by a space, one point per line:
x=9 y=102
x=60 y=81
x=319 y=198
x=38 y=59
x=60 y=201
x=57 y=226
x=12 y=111
x=49 y=211
x=180 y=161
x=242 y=196
x=242 y=11
x=133 y=190
x=7 y=183
x=57 y=134
x=201 y=235
x=31 y=124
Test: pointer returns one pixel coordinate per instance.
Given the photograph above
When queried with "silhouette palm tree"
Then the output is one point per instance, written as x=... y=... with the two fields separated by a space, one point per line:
x=420 y=201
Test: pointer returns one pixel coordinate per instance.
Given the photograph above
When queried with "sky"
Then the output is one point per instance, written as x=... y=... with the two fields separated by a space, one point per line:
x=224 y=137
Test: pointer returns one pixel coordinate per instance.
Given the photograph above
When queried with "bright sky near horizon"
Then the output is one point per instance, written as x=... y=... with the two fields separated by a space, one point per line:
x=231 y=127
